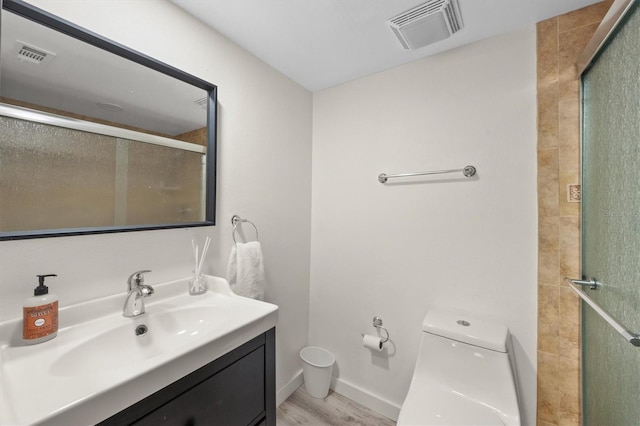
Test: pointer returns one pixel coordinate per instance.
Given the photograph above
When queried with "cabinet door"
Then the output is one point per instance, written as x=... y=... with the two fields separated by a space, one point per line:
x=233 y=396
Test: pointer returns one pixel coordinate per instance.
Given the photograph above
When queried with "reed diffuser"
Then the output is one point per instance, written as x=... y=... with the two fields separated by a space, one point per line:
x=198 y=284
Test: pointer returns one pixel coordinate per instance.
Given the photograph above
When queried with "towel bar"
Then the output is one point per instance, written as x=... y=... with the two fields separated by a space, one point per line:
x=631 y=337
x=468 y=171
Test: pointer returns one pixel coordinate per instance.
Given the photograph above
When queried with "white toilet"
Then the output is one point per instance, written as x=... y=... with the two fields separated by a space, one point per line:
x=463 y=375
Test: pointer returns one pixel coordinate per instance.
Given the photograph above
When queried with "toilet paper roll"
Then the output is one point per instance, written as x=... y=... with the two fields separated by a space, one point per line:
x=372 y=342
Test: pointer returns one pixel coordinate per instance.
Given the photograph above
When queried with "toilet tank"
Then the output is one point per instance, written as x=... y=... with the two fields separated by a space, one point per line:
x=463 y=329
x=464 y=368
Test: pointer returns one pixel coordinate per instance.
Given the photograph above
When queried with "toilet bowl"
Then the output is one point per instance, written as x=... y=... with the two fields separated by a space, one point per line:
x=464 y=375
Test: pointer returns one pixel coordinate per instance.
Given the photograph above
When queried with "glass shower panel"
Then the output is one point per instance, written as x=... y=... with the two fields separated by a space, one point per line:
x=55 y=177
x=164 y=185
x=611 y=227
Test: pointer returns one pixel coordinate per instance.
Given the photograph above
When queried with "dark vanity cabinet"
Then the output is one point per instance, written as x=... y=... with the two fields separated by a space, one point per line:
x=235 y=389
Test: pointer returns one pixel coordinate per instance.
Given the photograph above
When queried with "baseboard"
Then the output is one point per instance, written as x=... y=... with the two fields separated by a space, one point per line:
x=286 y=391
x=373 y=402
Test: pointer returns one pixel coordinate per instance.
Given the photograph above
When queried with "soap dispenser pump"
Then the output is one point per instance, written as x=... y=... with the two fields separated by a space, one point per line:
x=40 y=314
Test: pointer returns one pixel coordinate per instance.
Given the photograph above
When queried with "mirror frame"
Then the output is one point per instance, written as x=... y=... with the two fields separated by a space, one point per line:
x=28 y=11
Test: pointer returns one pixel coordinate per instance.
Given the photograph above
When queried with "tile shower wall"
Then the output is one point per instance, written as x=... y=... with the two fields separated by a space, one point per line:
x=560 y=41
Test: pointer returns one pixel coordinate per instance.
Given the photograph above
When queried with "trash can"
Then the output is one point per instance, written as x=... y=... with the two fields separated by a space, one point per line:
x=317 y=365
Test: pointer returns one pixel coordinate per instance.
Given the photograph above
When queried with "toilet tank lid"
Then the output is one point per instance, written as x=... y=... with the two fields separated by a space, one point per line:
x=465 y=329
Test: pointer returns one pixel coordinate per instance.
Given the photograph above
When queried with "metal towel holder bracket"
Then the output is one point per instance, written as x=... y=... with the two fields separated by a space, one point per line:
x=235 y=221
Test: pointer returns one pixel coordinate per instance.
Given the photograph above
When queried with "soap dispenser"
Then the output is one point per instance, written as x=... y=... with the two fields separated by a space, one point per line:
x=40 y=314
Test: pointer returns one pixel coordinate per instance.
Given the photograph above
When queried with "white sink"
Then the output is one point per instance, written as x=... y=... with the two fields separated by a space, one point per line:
x=164 y=331
x=98 y=365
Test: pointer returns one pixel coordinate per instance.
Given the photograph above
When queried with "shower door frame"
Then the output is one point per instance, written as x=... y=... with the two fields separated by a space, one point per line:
x=605 y=30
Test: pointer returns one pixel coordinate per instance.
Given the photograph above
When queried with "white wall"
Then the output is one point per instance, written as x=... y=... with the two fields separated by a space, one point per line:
x=264 y=175
x=393 y=251
x=399 y=250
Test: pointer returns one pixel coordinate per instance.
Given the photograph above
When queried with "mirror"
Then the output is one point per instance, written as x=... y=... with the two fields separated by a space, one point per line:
x=95 y=137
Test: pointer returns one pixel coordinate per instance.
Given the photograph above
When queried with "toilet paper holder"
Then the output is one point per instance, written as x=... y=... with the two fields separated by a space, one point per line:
x=377 y=323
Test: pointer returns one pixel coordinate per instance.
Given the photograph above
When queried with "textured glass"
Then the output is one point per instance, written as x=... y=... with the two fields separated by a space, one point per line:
x=611 y=227
x=164 y=185
x=52 y=177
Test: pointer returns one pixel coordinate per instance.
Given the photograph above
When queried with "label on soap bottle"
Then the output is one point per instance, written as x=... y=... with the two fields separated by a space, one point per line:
x=40 y=321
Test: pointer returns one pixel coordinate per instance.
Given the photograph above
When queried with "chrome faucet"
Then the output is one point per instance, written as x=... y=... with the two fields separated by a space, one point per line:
x=138 y=290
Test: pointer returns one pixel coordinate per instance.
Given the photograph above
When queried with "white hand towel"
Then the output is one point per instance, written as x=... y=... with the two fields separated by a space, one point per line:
x=245 y=271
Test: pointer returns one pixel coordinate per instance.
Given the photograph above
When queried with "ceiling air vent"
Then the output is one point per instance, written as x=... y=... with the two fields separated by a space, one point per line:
x=427 y=23
x=202 y=103
x=30 y=53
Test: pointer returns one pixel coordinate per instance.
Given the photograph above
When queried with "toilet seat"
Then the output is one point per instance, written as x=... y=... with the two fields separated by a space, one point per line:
x=443 y=407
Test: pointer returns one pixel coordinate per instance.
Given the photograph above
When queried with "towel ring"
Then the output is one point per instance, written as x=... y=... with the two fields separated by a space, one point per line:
x=236 y=220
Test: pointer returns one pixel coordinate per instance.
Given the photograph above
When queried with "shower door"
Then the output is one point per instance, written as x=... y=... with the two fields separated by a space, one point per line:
x=611 y=225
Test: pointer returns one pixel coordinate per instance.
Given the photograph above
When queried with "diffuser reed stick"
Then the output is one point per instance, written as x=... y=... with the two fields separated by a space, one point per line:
x=198 y=285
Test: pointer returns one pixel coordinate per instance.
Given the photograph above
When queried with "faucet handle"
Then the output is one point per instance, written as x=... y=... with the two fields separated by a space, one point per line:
x=137 y=278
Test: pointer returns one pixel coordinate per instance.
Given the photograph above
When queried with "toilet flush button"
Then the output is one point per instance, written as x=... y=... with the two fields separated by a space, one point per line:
x=463 y=323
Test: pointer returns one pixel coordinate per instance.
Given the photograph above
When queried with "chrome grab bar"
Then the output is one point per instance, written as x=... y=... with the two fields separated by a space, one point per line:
x=468 y=171
x=631 y=337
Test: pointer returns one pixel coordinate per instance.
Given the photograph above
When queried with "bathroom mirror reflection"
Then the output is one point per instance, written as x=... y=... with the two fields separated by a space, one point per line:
x=95 y=137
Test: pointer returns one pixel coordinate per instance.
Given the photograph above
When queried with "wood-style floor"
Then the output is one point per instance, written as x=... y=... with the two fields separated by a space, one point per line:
x=335 y=410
